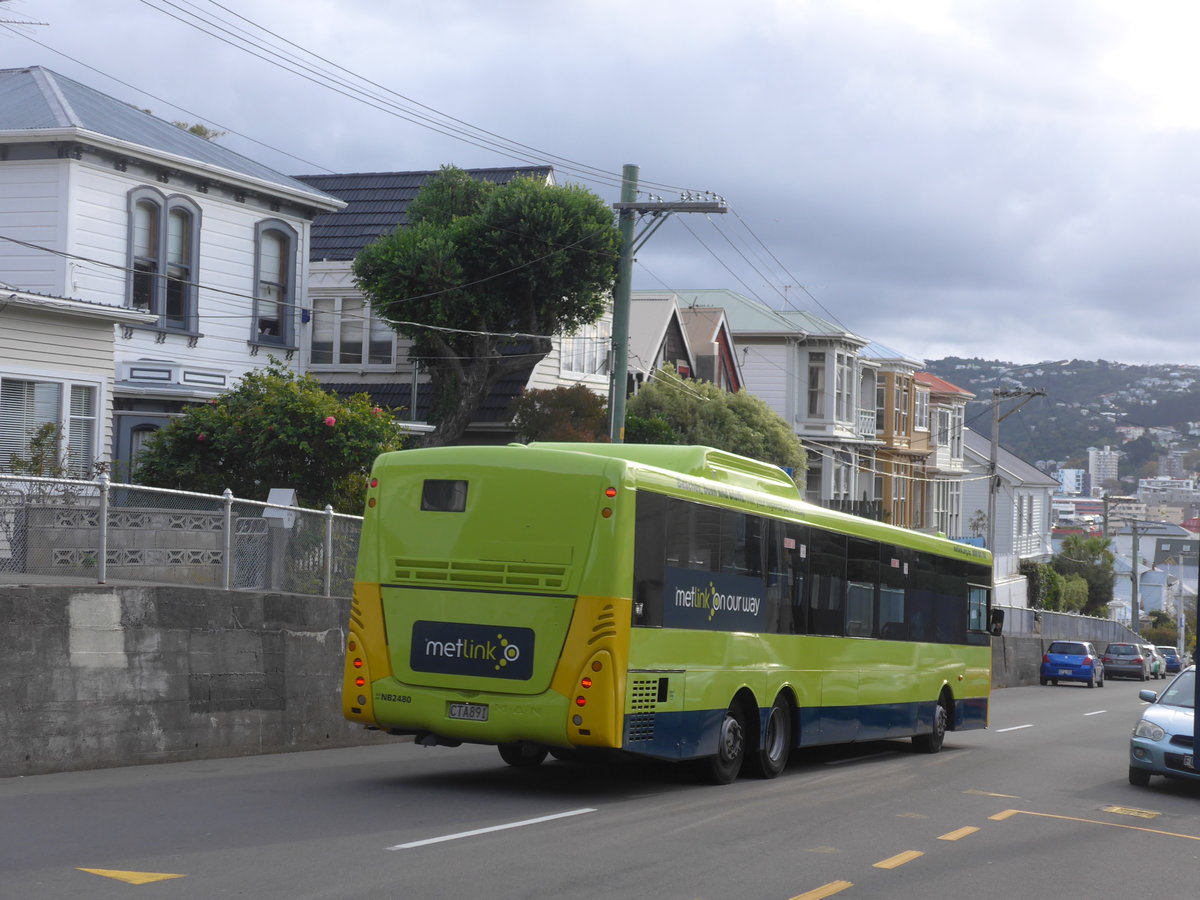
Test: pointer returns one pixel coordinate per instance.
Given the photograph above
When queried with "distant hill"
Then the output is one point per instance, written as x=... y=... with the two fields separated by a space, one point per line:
x=1085 y=402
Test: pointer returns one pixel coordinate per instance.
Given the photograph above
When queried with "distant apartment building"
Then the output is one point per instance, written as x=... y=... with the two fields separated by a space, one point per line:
x=1073 y=481
x=1170 y=464
x=1102 y=467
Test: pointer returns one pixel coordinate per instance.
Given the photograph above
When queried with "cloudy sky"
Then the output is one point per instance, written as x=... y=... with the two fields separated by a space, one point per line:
x=1010 y=179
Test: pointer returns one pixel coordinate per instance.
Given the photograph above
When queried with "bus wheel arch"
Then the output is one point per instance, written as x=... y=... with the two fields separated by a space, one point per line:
x=769 y=756
x=943 y=721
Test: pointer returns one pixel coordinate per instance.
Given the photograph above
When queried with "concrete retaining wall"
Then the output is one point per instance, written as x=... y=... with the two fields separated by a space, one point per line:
x=111 y=676
x=96 y=676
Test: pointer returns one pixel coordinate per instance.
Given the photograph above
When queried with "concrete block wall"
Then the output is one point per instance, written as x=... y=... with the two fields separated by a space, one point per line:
x=98 y=676
x=92 y=677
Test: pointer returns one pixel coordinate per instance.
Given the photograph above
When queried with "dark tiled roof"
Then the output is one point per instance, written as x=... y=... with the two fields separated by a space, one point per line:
x=378 y=203
x=34 y=98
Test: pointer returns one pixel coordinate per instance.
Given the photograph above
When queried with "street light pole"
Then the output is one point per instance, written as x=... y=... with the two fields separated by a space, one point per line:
x=999 y=394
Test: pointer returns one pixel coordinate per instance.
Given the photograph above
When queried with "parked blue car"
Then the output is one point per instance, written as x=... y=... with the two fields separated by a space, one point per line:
x=1072 y=661
x=1163 y=740
x=1172 y=657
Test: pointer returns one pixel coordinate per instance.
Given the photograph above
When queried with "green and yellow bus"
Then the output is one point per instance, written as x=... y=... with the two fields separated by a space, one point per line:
x=680 y=603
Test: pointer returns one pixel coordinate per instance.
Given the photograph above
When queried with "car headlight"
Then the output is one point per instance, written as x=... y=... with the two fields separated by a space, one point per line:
x=1149 y=730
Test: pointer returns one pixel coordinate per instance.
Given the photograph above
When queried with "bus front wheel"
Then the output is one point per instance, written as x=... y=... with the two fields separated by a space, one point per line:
x=522 y=754
x=731 y=749
x=932 y=742
x=772 y=756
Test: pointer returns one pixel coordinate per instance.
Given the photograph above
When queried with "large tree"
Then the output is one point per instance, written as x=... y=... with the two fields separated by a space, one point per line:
x=483 y=276
x=699 y=412
x=273 y=430
x=1091 y=559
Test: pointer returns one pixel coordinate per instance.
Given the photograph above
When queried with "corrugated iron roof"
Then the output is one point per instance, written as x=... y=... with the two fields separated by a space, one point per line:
x=377 y=203
x=39 y=99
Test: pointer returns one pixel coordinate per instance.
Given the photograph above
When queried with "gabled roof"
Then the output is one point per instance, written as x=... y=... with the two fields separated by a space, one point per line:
x=940 y=385
x=377 y=203
x=748 y=316
x=650 y=319
x=884 y=354
x=704 y=326
x=37 y=103
x=1019 y=472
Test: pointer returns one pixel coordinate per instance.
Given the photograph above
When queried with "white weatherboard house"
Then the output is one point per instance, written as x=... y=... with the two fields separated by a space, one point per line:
x=112 y=220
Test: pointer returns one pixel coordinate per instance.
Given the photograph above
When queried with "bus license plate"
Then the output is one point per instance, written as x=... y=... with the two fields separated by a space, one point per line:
x=475 y=712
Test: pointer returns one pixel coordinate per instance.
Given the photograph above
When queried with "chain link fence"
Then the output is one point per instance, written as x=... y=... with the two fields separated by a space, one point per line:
x=95 y=529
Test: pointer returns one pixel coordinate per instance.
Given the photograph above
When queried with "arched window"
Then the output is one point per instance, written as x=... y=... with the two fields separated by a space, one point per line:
x=274 y=280
x=164 y=247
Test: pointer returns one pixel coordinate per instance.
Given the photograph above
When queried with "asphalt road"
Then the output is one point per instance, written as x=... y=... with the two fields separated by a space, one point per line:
x=1037 y=806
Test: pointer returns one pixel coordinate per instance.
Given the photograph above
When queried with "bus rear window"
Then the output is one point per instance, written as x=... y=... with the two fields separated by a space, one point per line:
x=444 y=496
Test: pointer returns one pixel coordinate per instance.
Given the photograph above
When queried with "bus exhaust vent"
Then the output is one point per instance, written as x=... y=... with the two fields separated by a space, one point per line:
x=477 y=573
x=643 y=698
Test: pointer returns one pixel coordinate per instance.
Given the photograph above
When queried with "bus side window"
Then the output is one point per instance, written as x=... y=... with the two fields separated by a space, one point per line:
x=704 y=552
x=779 y=611
x=950 y=603
x=862 y=575
x=649 y=543
x=827 y=590
x=892 y=625
x=795 y=556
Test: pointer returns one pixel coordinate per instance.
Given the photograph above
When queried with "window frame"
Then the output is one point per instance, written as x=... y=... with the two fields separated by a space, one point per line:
x=336 y=315
x=80 y=455
x=287 y=301
x=159 y=266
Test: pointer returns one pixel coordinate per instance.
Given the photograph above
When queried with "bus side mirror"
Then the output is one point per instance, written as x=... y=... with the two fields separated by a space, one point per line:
x=996 y=623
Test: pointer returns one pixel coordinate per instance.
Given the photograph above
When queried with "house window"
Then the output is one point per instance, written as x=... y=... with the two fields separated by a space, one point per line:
x=274 y=295
x=345 y=332
x=842 y=388
x=816 y=385
x=164 y=245
x=921 y=411
x=586 y=351
x=880 y=407
x=26 y=406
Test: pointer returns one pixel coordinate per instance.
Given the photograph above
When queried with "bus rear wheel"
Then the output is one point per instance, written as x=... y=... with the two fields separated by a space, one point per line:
x=772 y=756
x=522 y=754
x=724 y=767
x=932 y=742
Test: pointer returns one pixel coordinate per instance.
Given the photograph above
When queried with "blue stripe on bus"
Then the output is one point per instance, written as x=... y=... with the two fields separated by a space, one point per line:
x=685 y=735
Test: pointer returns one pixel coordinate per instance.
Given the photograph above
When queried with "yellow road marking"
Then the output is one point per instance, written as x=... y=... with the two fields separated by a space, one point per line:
x=132 y=877
x=989 y=794
x=960 y=833
x=910 y=816
x=899 y=859
x=1128 y=811
x=825 y=890
x=824 y=850
x=1001 y=816
x=1024 y=812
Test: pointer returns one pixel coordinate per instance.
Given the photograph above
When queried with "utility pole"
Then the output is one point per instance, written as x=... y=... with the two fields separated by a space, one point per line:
x=999 y=394
x=1135 y=619
x=628 y=211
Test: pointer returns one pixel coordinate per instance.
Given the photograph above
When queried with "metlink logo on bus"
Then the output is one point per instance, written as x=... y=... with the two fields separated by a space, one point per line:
x=712 y=600
x=458 y=648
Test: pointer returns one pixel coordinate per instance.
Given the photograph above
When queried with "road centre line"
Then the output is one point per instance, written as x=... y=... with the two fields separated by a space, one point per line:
x=959 y=833
x=473 y=832
x=825 y=890
x=1014 y=728
x=1008 y=813
x=1098 y=712
x=899 y=859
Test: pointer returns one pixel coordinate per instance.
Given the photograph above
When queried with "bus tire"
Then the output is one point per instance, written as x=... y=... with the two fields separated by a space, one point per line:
x=932 y=742
x=723 y=768
x=771 y=756
x=522 y=754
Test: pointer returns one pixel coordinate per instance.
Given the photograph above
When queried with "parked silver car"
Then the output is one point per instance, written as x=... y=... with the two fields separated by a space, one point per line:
x=1158 y=662
x=1126 y=659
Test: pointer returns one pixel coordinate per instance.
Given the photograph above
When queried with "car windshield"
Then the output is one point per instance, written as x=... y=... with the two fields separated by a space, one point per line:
x=1168 y=651
x=1181 y=691
x=1120 y=650
x=1066 y=647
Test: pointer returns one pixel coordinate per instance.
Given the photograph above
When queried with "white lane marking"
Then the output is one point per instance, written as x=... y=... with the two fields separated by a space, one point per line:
x=464 y=834
x=1014 y=728
x=1098 y=712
